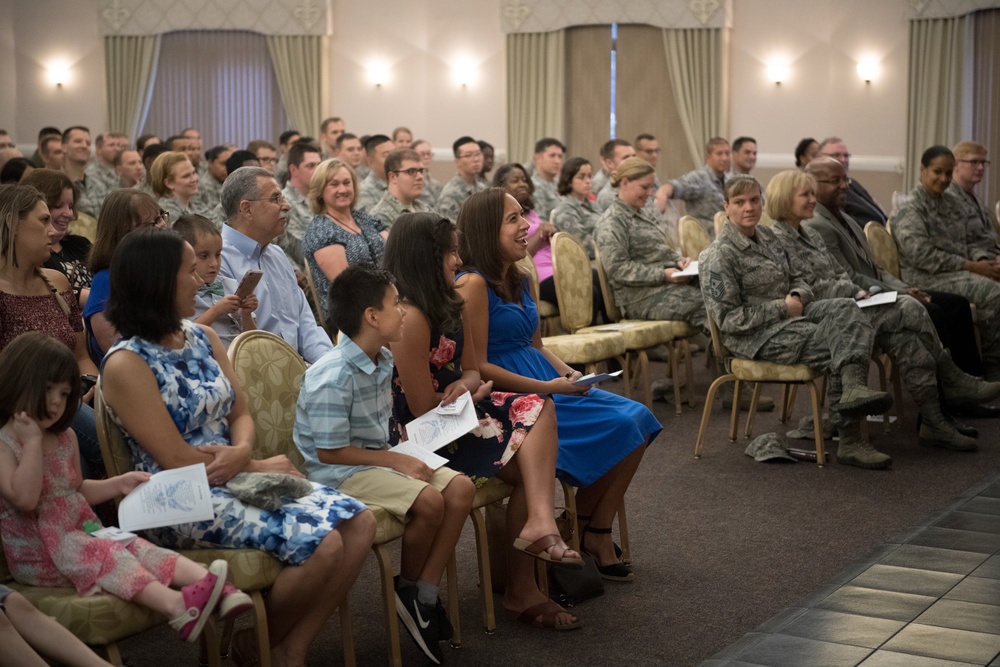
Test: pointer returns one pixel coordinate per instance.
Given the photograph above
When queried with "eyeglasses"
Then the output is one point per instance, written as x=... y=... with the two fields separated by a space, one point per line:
x=277 y=199
x=836 y=155
x=976 y=163
x=267 y=160
x=471 y=155
x=412 y=173
x=835 y=181
x=161 y=219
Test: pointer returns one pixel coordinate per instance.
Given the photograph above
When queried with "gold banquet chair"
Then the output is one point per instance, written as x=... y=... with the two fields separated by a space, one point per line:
x=757 y=372
x=694 y=238
x=718 y=222
x=548 y=313
x=678 y=347
x=574 y=286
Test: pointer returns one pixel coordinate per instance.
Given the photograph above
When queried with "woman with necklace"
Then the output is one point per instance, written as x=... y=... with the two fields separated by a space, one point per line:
x=338 y=236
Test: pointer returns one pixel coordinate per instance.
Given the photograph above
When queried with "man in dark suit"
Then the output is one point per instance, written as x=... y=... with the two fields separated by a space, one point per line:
x=845 y=240
x=860 y=204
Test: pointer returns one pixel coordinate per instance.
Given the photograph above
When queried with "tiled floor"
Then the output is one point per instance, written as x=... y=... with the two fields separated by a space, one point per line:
x=931 y=598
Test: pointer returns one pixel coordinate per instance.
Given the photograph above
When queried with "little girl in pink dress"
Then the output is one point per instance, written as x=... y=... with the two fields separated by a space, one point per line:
x=45 y=507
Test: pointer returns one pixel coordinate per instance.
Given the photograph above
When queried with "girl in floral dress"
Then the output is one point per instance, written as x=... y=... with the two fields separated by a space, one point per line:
x=516 y=440
x=45 y=514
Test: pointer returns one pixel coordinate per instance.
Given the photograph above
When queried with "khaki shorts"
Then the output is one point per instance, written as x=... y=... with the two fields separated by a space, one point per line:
x=392 y=491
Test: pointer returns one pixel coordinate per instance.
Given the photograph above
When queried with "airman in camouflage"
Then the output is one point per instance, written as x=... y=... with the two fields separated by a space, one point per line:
x=296 y=222
x=389 y=208
x=636 y=254
x=765 y=310
x=934 y=254
x=579 y=218
x=980 y=235
x=903 y=329
x=372 y=189
x=454 y=193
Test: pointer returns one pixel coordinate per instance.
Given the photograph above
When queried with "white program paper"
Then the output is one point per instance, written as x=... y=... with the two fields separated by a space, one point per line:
x=691 y=270
x=877 y=300
x=434 y=430
x=595 y=378
x=169 y=497
x=410 y=448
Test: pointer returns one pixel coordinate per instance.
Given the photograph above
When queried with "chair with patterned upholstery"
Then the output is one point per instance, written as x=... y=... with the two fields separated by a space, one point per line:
x=84 y=225
x=574 y=287
x=719 y=221
x=678 y=347
x=548 y=313
x=317 y=308
x=884 y=250
x=694 y=238
x=758 y=372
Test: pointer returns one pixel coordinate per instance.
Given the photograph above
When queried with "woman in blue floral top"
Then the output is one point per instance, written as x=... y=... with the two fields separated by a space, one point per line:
x=170 y=387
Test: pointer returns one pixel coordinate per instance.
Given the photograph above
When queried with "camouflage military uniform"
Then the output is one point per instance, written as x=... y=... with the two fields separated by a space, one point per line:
x=903 y=329
x=634 y=251
x=454 y=193
x=980 y=235
x=209 y=191
x=599 y=180
x=101 y=181
x=546 y=197
x=578 y=218
x=432 y=188
x=296 y=220
x=177 y=210
x=932 y=249
x=389 y=208
x=745 y=282
x=372 y=189
x=701 y=190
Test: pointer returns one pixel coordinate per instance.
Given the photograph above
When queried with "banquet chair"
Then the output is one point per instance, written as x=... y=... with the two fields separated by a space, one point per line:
x=694 y=238
x=548 y=313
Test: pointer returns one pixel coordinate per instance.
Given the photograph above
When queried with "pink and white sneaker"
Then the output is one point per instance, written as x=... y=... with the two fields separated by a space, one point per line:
x=200 y=600
x=233 y=602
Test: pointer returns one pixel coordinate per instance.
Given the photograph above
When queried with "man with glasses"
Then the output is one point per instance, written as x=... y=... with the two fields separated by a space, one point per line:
x=469 y=161
x=860 y=204
x=266 y=153
x=406 y=184
x=375 y=184
x=980 y=231
x=255 y=211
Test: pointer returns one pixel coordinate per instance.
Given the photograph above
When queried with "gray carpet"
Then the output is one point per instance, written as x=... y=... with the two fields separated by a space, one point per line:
x=719 y=545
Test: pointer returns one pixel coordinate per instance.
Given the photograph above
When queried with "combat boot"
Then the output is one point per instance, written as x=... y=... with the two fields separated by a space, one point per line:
x=960 y=388
x=937 y=431
x=856 y=399
x=853 y=451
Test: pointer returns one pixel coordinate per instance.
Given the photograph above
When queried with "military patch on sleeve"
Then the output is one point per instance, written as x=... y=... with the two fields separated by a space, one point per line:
x=716 y=286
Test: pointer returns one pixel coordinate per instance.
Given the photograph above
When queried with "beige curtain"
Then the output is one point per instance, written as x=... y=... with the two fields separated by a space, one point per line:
x=588 y=90
x=646 y=101
x=696 y=65
x=130 y=68
x=536 y=87
x=935 y=91
x=300 y=66
x=986 y=98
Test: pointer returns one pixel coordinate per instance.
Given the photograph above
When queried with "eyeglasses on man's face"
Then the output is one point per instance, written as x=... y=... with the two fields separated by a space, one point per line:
x=977 y=162
x=412 y=173
x=844 y=180
x=277 y=199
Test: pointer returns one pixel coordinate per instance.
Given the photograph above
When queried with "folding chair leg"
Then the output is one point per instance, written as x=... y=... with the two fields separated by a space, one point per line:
x=485 y=575
x=453 y=609
x=783 y=415
x=690 y=372
x=706 y=413
x=260 y=627
x=673 y=353
x=753 y=409
x=347 y=633
x=389 y=602
x=734 y=419
x=817 y=424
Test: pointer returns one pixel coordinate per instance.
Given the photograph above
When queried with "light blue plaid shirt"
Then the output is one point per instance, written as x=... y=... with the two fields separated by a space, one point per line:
x=345 y=401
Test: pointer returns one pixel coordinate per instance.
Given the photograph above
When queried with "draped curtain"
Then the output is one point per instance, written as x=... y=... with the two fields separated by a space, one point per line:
x=936 y=88
x=695 y=62
x=588 y=77
x=536 y=87
x=130 y=69
x=300 y=66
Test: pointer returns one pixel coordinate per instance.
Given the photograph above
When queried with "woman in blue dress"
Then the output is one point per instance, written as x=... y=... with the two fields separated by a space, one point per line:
x=602 y=436
x=170 y=387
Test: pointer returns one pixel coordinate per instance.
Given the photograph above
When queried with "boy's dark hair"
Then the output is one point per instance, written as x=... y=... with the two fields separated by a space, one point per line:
x=355 y=290
x=144 y=284
x=27 y=365
x=395 y=159
x=191 y=227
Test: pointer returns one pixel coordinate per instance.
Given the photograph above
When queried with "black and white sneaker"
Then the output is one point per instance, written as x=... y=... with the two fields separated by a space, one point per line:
x=421 y=622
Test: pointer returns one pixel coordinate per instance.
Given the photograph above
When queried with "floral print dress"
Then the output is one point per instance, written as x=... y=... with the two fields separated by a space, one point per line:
x=504 y=418
x=49 y=546
x=199 y=399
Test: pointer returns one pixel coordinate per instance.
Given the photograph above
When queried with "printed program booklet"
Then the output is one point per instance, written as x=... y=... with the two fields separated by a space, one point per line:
x=169 y=497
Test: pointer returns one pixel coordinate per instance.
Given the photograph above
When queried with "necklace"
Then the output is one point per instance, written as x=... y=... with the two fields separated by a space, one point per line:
x=352 y=227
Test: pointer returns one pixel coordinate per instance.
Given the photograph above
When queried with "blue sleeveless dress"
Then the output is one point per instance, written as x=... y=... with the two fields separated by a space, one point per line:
x=596 y=431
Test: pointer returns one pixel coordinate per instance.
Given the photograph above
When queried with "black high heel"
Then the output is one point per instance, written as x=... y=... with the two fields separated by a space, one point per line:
x=603 y=531
x=617 y=571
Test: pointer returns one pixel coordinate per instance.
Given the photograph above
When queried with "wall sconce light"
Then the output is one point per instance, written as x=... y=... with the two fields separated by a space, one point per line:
x=58 y=72
x=777 y=72
x=464 y=73
x=378 y=73
x=868 y=69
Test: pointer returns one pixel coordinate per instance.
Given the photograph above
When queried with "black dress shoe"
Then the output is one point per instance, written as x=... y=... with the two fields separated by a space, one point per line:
x=974 y=411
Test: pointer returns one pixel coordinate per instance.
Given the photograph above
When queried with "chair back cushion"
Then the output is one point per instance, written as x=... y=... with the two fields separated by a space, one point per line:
x=610 y=306
x=270 y=372
x=114 y=450
x=721 y=352
x=574 y=286
x=694 y=238
x=883 y=248
x=719 y=221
